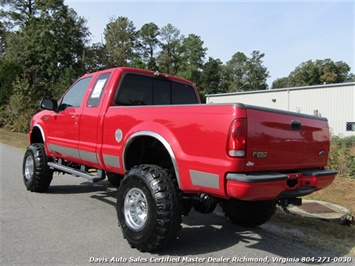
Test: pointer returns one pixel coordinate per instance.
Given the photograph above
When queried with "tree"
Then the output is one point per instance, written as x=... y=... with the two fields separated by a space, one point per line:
x=316 y=73
x=95 y=57
x=192 y=58
x=45 y=41
x=8 y=74
x=148 y=42
x=211 y=77
x=245 y=74
x=120 y=40
x=234 y=73
x=257 y=72
x=48 y=38
x=169 y=57
x=3 y=34
x=19 y=12
x=281 y=83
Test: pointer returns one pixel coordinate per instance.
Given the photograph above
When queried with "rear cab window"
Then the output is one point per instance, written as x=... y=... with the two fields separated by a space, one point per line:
x=136 y=89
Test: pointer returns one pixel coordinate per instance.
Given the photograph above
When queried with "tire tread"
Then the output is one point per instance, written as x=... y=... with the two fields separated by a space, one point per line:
x=43 y=176
x=165 y=192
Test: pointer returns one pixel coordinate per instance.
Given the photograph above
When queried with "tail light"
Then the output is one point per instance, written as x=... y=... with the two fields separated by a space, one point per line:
x=237 y=138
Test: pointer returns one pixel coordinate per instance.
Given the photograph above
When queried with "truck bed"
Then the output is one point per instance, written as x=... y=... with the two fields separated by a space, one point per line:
x=198 y=135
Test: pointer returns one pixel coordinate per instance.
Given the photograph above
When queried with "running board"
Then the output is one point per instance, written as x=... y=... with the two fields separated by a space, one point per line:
x=93 y=178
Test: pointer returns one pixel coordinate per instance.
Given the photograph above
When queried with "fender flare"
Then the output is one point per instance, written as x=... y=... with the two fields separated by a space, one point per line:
x=162 y=140
x=41 y=130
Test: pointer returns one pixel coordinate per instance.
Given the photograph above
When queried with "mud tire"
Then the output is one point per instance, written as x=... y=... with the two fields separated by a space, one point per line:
x=149 y=208
x=37 y=176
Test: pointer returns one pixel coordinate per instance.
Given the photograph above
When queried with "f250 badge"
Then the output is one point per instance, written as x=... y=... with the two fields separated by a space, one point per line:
x=260 y=154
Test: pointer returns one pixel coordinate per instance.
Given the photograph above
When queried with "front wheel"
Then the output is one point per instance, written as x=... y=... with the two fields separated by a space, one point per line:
x=36 y=174
x=149 y=207
x=249 y=213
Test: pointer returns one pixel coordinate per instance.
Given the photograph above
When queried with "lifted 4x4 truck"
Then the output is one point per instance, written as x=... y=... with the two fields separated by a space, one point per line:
x=166 y=152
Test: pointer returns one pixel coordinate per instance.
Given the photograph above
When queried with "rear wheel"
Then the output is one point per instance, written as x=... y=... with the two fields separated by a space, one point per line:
x=149 y=207
x=36 y=174
x=249 y=213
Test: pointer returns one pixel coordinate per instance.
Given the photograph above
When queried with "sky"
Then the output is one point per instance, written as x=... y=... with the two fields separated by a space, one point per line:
x=287 y=32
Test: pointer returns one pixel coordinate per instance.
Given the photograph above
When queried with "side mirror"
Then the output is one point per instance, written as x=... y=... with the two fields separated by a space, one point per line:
x=49 y=104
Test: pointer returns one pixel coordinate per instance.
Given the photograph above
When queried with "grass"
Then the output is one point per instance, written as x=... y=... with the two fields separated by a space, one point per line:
x=18 y=140
x=323 y=234
x=341 y=192
x=327 y=235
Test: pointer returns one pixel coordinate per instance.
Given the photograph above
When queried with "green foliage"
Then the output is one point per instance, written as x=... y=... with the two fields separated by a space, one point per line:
x=120 y=37
x=170 y=55
x=211 y=78
x=8 y=73
x=3 y=37
x=147 y=44
x=18 y=13
x=95 y=57
x=191 y=58
x=316 y=73
x=342 y=155
x=16 y=115
x=245 y=74
x=44 y=42
x=68 y=76
x=48 y=38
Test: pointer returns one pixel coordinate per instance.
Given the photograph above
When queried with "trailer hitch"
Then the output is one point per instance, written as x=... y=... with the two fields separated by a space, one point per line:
x=284 y=203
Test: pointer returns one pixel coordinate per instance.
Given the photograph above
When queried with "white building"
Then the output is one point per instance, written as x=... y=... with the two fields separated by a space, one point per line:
x=336 y=102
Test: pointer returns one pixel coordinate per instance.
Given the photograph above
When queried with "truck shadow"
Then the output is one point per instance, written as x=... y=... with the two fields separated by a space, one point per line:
x=85 y=187
x=204 y=234
x=76 y=189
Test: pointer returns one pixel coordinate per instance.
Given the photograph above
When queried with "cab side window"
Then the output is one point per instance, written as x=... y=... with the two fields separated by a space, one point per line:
x=96 y=93
x=74 y=96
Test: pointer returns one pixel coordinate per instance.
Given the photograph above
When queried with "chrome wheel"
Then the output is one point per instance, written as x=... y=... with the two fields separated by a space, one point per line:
x=135 y=209
x=29 y=168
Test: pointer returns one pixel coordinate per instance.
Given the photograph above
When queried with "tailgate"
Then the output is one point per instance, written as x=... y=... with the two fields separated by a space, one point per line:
x=281 y=140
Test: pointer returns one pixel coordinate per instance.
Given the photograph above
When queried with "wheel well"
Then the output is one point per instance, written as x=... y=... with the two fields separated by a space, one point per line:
x=147 y=150
x=36 y=136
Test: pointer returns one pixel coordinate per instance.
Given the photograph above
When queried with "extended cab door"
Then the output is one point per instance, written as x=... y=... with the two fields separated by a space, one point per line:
x=63 y=126
x=91 y=122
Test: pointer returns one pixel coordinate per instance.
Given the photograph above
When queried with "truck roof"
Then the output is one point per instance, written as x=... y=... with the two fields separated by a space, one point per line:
x=144 y=72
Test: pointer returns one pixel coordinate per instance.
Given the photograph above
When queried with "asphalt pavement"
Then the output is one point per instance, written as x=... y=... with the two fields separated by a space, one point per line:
x=75 y=223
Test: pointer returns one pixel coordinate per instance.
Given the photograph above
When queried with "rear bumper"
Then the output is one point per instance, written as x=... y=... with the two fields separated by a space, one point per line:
x=266 y=186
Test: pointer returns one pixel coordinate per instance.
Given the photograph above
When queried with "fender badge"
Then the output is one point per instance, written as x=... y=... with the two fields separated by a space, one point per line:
x=250 y=164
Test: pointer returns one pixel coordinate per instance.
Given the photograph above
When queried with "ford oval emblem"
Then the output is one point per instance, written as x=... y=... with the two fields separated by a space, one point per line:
x=322 y=154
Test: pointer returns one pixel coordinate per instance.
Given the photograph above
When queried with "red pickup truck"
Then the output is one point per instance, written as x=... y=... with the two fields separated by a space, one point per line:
x=150 y=136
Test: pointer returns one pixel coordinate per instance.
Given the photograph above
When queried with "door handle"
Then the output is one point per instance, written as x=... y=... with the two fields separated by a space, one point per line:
x=296 y=125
